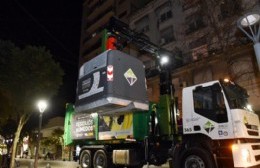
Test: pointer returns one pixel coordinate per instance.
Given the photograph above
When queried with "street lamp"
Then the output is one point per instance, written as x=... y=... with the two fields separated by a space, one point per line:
x=42 y=104
x=164 y=60
x=250 y=25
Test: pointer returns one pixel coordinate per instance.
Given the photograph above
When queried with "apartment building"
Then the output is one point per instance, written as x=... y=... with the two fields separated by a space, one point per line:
x=205 y=36
x=96 y=14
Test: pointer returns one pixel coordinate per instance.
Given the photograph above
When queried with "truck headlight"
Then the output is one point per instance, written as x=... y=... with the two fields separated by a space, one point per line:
x=245 y=155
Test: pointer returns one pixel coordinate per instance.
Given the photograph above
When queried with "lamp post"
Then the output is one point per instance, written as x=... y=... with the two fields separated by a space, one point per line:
x=250 y=25
x=42 y=104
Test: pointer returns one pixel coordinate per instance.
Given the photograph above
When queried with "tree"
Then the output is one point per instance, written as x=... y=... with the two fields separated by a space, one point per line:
x=26 y=75
x=55 y=140
x=7 y=130
x=7 y=124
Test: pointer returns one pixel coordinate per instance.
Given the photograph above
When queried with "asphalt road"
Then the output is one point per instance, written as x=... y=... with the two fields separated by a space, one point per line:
x=28 y=163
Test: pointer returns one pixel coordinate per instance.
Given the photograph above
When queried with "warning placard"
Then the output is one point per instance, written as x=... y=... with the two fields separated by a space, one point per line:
x=130 y=77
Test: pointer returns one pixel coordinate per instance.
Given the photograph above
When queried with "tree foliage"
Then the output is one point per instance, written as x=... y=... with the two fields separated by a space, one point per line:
x=54 y=142
x=29 y=74
x=7 y=130
x=26 y=75
x=55 y=139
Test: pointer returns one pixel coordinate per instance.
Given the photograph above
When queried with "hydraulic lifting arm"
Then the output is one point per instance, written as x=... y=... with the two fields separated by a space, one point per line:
x=120 y=31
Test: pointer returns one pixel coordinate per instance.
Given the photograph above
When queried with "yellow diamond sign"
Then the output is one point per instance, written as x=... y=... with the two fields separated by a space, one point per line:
x=130 y=77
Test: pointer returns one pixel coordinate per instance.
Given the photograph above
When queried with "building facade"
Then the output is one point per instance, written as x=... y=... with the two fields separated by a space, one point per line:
x=205 y=36
x=96 y=15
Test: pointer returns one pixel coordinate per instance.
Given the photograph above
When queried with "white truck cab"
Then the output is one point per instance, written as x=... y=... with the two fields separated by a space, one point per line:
x=220 y=111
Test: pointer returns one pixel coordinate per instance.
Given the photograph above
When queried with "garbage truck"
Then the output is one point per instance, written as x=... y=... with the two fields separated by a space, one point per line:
x=115 y=125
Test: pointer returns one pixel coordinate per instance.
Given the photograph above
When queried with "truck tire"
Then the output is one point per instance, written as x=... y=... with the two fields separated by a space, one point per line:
x=85 y=159
x=196 y=158
x=100 y=159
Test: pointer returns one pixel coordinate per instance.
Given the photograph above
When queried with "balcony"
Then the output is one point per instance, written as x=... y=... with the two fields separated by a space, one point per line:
x=200 y=52
x=89 y=49
x=91 y=40
x=102 y=19
x=98 y=8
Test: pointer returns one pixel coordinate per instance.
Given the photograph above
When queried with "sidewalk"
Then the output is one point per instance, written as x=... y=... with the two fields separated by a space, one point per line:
x=28 y=163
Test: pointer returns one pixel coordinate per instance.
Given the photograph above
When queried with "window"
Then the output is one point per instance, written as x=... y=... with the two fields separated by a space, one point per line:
x=167 y=35
x=164 y=12
x=209 y=102
x=142 y=25
x=229 y=8
x=236 y=95
x=165 y=16
x=195 y=22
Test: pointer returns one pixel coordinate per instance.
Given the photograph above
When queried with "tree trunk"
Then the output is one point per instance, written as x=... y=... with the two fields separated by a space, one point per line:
x=21 y=123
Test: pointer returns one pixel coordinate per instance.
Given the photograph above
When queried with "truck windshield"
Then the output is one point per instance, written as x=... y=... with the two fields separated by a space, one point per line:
x=236 y=95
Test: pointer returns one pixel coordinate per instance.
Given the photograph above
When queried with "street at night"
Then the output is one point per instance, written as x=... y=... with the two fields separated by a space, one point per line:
x=130 y=84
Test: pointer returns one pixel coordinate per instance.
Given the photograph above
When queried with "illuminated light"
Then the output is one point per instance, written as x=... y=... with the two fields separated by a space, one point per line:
x=156 y=120
x=249 y=24
x=226 y=80
x=94 y=115
x=249 y=20
x=111 y=41
x=245 y=155
x=249 y=107
x=164 y=60
x=94 y=34
x=234 y=147
x=42 y=104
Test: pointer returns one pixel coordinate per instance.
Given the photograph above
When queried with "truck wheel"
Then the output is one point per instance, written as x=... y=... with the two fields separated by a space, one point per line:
x=85 y=159
x=196 y=158
x=100 y=159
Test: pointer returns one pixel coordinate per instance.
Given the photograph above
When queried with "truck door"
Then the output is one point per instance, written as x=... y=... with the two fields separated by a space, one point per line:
x=209 y=102
x=210 y=114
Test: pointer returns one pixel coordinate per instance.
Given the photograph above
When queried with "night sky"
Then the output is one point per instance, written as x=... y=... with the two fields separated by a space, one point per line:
x=51 y=23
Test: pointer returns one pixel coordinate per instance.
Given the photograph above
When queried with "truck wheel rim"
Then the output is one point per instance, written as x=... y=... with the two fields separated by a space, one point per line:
x=194 y=161
x=86 y=161
x=100 y=161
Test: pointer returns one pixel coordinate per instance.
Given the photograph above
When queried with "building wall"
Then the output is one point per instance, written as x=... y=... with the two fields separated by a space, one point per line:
x=96 y=15
x=210 y=43
x=202 y=33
